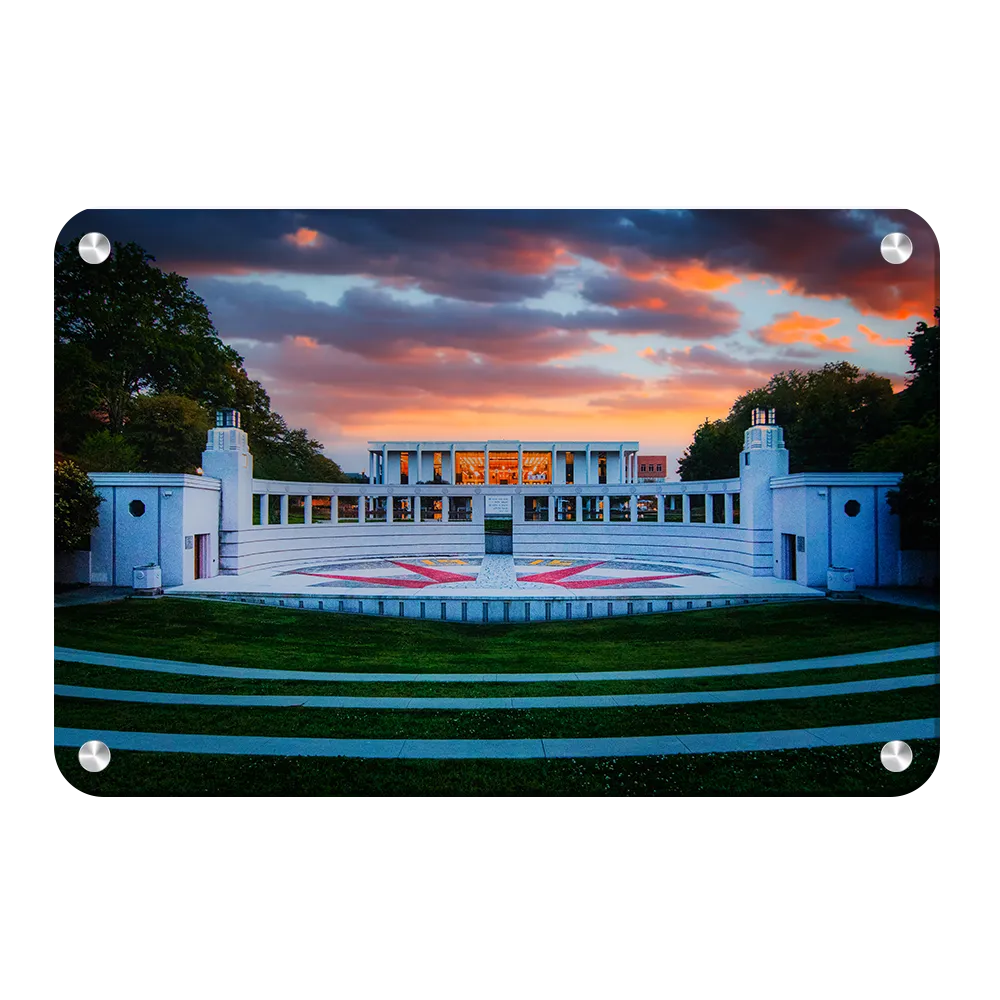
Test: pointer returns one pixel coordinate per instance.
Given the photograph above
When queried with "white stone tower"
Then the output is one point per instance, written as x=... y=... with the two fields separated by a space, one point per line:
x=227 y=457
x=764 y=455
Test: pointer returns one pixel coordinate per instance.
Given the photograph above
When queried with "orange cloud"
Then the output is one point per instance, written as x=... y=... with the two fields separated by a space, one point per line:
x=303 y=237
x=309 y=342
x=563 y=258
x=794 y=328
x=528 y=259
x=877 y=338
x=695 y=277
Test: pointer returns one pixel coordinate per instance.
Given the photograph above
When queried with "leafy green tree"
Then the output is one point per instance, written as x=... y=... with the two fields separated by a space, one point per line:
x=917 y=502
x=321 y=469
x=168 y=431
x=123 y=328
x=909 y=448
x=131 y=342
x=103 y=451
x=715 y=448
x=914 y=447
x=77 y=503
x=294 y=456
x=827 y=414
x=921 y=399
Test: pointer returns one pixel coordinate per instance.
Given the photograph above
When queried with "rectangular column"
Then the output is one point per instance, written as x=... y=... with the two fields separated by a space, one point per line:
x=444 y=509
x=284 y=508
x=622 y=474
x=308 y=509
x=659 y=507
x=729 y=508
x=606 y=513
x=388 y=509
x=416 y=509
x=552 y=507
x=579 y=509
x=686 y=508
x=633 y=508
x=520 y=465
x=361 y=509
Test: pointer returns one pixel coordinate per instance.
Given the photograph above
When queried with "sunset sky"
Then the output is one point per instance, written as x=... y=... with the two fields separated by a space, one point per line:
x=578 y=324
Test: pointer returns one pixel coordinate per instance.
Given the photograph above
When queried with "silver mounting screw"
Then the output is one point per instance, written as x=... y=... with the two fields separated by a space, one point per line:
x=896 y=248
x=896 y=755
x=95 y=248
x=94 y=756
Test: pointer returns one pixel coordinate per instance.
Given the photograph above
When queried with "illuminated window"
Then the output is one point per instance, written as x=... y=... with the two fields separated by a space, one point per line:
x=437 y=466
x=602 y=467
x=404 y=467
x=537 y=467
x=565 y=508
x=569 y=467
x=402 y=508
x=469 y=467
x=536 y=508
x=430 y=508
x=503 y=468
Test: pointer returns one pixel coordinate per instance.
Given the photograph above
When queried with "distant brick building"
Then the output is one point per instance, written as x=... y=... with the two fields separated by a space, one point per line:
x=652 y=468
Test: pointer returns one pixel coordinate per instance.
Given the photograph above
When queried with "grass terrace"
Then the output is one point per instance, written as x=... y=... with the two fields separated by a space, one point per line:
x=278 y=638
x=253 y=636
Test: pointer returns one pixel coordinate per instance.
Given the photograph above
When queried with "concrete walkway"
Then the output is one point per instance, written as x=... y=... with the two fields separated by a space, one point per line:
x=91 y=595
x=576 y=701
x=917 y=652
x=910 y=597
x=627 y=746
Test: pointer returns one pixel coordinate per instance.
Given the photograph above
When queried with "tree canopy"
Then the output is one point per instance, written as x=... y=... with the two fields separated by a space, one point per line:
x=139 y=367
x=125 y=328
x=77 y=501
x=827 y=414
x=838 y=419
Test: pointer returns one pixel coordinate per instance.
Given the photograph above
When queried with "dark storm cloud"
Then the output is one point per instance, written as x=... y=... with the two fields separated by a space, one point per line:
x=374 y=323
x=427 y=380
x=506 y=256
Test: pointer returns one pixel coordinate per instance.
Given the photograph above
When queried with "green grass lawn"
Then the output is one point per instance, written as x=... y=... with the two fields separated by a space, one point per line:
x=247 y=635
x=253 y=636
x=124 y=679
x=853 y=770
x=659 y=720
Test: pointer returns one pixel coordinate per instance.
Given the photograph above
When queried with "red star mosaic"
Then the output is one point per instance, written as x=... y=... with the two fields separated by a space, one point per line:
x=560 y=577
x=430 y=577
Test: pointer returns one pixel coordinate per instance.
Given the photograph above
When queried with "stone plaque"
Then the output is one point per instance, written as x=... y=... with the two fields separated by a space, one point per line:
x=499 y=506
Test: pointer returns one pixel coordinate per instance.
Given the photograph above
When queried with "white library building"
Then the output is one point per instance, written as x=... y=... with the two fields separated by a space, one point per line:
x=503 y=463
x=497 y=531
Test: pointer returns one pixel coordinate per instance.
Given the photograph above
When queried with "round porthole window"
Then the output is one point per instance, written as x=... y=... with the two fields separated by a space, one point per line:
x=136 y=508
x=852 y=508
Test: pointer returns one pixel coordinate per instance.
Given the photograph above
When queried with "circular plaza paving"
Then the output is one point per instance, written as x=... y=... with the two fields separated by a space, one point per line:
x=525 y=576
